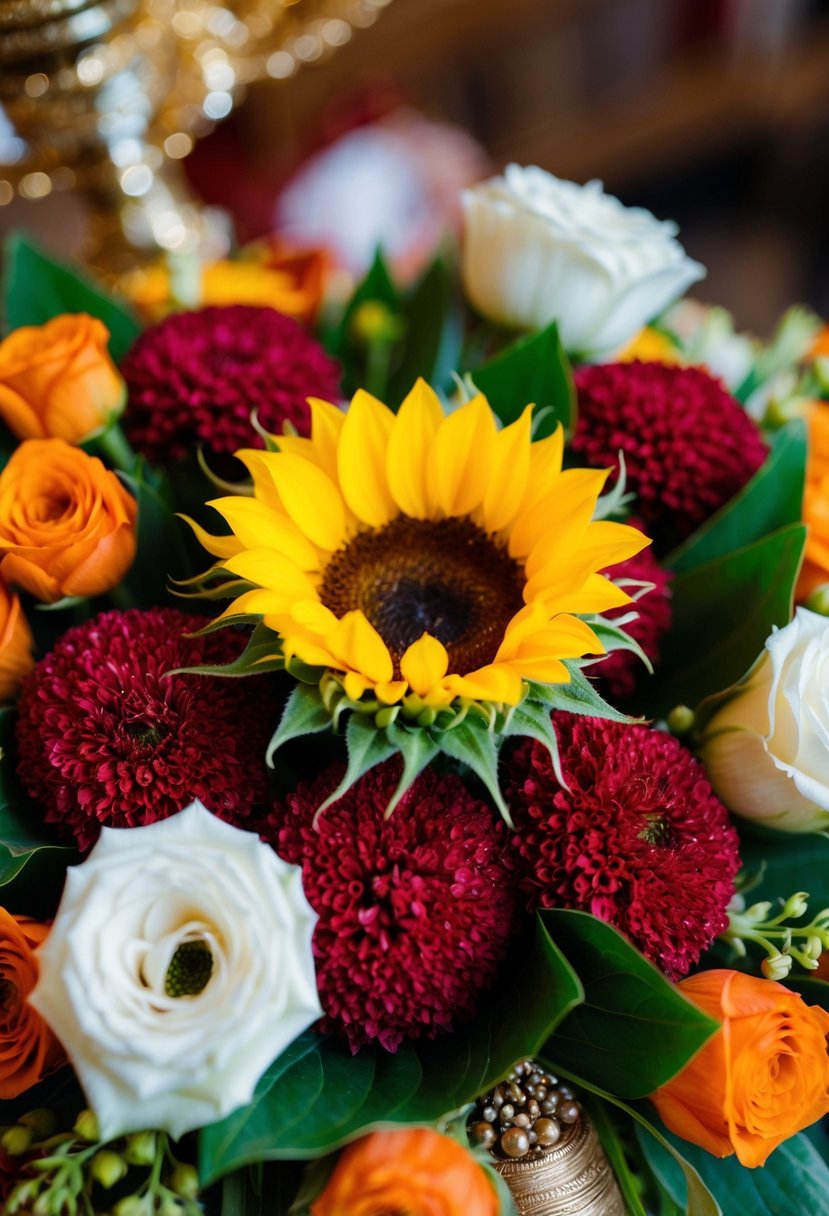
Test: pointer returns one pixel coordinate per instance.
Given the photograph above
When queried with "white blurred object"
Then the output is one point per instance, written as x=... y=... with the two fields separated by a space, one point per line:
x=394 y=184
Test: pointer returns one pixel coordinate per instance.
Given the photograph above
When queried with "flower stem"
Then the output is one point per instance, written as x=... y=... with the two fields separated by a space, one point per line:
x=112 y=443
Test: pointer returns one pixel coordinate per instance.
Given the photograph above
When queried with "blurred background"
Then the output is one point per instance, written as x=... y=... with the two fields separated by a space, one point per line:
x=712 y=112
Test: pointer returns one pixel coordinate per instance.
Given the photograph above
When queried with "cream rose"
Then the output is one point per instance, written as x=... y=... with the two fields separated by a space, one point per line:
x=178 y=967
x=537 y=249
x=767 y=749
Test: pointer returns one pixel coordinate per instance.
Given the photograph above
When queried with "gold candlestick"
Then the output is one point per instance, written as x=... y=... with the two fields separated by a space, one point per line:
x=105 y=98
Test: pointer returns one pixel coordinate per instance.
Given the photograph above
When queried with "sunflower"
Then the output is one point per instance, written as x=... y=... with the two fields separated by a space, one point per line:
x=422 y=558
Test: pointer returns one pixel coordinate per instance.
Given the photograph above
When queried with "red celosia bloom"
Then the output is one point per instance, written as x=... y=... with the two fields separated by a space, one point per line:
x=637 y=839
x=688 y=445
x=414 y=910
x=622 y=669
x=104 y=738
x=195 y=378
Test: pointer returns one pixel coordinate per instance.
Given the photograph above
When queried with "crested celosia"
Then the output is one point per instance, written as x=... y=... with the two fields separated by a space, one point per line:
x=196 y=378
x=688 y=445
x=635 y=823
x=106 y=736
x=414 y=909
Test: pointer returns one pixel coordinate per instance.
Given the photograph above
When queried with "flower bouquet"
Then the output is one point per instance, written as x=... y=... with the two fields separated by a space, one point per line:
x=415 y=770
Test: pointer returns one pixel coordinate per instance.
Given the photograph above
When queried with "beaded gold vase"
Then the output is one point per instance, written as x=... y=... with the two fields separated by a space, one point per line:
x=545 y=1147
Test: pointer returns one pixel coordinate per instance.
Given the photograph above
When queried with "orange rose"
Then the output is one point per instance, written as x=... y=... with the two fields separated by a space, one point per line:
x=28 y=1049
x=67 y=525
x=416 y=1171
x=58 y=380
x=760 y=1079
x=816 y=504
x=16 y=658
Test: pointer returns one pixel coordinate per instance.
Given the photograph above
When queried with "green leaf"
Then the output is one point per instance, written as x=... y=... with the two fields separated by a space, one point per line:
x=628 y=1007
x=795 y=1167
x=534 y=370
x=31 y=867
x=377 y=285
x=613 y=1146
x=434 y=330
x=261 y=654
x=367 y=746
x=791 y=861
x=723 y=611
x=771 y=500
x=38 y=288
x=476 y=746
x=580 y=696
x=418 y=748
x=304 y=714
x=318 y=1095
x=161 y=554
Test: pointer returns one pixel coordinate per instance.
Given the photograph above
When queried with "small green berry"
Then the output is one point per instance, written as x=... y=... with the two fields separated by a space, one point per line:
x=141 y=1148
x=16 y=1140
x=107 y=1168
x=86 y=1126
x=185 y=1181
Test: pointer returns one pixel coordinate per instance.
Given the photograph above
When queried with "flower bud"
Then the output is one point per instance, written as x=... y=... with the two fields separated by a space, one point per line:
x=777 y=967
x=374 y=321
x=86 y=1126
x=41 y=1122
x=758 y=911
x=813 y=947
x=107 y=1168
x=818 y=601
x=141 y=1148
x=766 y=750
x=16 y=1140
x=184 y=1180
x=680 y=720
x=133 y=1205
x=796 y=905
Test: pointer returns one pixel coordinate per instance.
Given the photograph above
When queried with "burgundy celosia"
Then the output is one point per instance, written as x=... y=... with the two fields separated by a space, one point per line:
x=688 y=445
x=637 y=838
x=622 y=669
x=106 y=738
x=196 y=377
x=414 y=910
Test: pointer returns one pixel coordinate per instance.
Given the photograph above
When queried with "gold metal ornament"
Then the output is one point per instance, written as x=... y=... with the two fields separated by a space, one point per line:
x=573 y=1178
x=105 y=98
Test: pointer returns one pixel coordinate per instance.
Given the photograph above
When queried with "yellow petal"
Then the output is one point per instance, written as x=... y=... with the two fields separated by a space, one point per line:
x=569 y=562
x=496 y=682
x=508 y=477
x=462 y=457
x=361 y=460
x=564 y=637
x=269 y=569
x=219 y=546
x=543 y=670
x=570 y=503
x=359 y=647
x=410 y=445
x=258 y=526
x=355 y=685
x=424 y=664
x=260 y=602
x=326 y=428
x=257 y=464
x=546 y=456
x=311 y=499
x=596 y=594
x=391 y=692
x=309 y=651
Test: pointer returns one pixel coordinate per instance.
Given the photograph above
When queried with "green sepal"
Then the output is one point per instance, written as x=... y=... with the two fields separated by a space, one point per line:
x=261 y=655
x=367 y=747
x=577 y=697
x=418 y=748
x=304 y=714
x=476 y=746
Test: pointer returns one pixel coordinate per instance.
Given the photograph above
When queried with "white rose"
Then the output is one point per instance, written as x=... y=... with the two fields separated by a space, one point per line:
x=537 y=249
x=767 y=750
x=185 y=902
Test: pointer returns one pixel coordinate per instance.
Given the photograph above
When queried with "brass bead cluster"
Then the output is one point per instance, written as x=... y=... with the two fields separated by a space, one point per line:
x=525 y=1115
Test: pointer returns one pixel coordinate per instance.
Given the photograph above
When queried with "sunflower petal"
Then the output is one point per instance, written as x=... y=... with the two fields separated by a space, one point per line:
x=361 y=460
x=424 y=664
x=495 y=682
x=219 y=546
x=311 y=499
x=257 y=526
x=359 y=647
x=326 y=428
x=273 y=571
x=570 y=503
x=510 y=469
x=410 y=446
x=596 y=594
x=462 y=457
x=546 y=456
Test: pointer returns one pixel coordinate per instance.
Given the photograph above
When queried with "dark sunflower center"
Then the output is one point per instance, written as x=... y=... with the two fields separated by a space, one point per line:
x=447 y=578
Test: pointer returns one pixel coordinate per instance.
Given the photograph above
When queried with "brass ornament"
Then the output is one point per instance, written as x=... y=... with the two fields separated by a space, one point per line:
x=544 y=1146
x=106 y=97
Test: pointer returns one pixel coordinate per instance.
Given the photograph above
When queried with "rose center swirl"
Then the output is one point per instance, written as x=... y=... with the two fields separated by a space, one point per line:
x=447 y=578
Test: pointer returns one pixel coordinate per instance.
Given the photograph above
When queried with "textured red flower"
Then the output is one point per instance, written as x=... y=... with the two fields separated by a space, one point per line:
x=637 y=838
x=621 y=670
x=414 y=910
x=104 y=738
x=195 y=378
x=688 y=445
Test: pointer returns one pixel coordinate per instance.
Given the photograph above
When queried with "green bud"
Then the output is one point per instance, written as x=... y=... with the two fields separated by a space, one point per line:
x=818 y=601
x=50 y=1203
x=141 y=1148
x=373 y=321
x=427 y=716
x=777 y=967
x=813 y=947
x=22 y=1195
x=41 y=1122
x=680 y=720
x=86 y=1126
x=796 y=905
x=384 y=717
x=759 y=911
x=185 y=1181
x=16 y=1140
x=132 y=1205
x=107 y=1168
